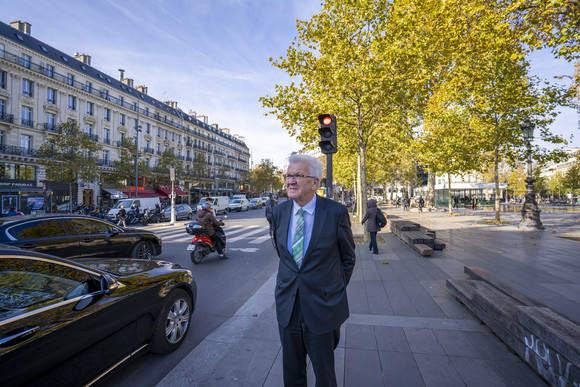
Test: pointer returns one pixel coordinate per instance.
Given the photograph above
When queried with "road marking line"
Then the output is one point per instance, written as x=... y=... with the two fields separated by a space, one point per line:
x=230 y=240
x=261 y=239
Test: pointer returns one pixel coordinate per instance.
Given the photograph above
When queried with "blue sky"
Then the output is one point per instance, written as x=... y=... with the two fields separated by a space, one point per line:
x=211 y=56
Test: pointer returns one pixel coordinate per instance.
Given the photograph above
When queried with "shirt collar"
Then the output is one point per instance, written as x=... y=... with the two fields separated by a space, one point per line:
x=308 y=208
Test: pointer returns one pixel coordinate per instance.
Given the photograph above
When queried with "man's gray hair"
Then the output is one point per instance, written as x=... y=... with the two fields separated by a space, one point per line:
x=315 y=167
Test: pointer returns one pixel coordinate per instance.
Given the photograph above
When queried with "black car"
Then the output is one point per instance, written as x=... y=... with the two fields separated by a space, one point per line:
x=76 y=236
x=65 y=323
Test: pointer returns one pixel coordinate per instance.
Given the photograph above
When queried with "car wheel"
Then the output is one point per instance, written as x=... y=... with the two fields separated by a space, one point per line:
x=144 y=222
x=142 y=250
x=172 y=324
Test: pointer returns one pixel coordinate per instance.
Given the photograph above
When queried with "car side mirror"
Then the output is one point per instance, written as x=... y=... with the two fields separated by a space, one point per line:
x=84 y=302
x=108 y=284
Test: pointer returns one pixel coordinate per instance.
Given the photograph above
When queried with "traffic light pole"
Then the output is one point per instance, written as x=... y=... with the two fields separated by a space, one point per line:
x=329 y=175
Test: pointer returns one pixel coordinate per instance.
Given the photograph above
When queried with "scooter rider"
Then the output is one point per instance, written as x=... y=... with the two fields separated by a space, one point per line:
x=206 y=217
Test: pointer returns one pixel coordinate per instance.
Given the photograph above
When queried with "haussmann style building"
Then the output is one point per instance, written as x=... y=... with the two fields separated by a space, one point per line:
x=41 y=87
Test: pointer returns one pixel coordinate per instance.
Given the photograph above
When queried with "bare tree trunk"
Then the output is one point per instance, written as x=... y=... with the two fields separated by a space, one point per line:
x=496 y=180
x=70 y=197
x=430 y=199
x=449 y=198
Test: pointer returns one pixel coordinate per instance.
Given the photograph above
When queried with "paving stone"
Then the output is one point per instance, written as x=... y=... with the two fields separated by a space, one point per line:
x=391 y=339
x=400 y=369
x=360 y=337
x=362 y=368
x=423 y=341
x=438 y=371
x=476 y=372
x=456 y=344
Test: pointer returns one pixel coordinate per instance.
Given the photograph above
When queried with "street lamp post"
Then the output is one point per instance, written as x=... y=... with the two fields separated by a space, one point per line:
x=530 y=211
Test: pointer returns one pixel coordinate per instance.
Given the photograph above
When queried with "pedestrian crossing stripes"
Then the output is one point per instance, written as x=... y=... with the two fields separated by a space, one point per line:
x=233 y=233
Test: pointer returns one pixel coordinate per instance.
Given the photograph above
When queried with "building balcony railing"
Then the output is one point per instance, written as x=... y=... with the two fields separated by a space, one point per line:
x=17 y=150
x=120 y=144
x=188 y=159
x=7 y=118
x=25 y=122
x=149 y=150
x=107 y=141
x=105 y=163
x=93 y=137
x=51 y=127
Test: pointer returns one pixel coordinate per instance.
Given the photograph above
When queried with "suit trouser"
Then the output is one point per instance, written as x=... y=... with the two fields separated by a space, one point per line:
x=297 y=342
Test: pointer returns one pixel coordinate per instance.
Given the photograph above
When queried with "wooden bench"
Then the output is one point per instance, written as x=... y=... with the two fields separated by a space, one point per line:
x=418 y=237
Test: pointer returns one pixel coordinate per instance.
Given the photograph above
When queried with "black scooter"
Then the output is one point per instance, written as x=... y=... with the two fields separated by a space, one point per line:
x=152 y=216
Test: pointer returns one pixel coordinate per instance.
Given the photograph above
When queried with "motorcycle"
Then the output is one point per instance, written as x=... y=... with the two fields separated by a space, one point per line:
x=151 y=216
x=202 y=244
x=132 y=218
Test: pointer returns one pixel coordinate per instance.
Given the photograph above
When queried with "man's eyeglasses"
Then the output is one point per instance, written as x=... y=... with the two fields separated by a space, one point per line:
x=297 y=176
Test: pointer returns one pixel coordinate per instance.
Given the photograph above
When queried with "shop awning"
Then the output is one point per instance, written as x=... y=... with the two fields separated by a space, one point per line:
x=167 y=191
x=115 y=194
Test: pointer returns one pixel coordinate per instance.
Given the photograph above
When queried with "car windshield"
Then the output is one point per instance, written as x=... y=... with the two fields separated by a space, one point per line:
x=125 y=203
x=254 y=200
x=236 y=201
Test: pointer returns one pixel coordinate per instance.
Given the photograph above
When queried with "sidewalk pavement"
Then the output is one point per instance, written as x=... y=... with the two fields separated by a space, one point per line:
x=405 y=327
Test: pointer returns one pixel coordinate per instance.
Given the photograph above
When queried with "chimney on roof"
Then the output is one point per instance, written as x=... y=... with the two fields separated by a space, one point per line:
x=128 y=81
x=21 y=26
x=202 y=119
x=142 y=89
x=215 y=126
x=192 y=114
x=172 y=104
x=86 y=59
x=121 y=74
x=225 y=130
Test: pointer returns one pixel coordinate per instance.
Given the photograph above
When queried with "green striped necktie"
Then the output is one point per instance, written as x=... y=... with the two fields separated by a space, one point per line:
x=298 y=241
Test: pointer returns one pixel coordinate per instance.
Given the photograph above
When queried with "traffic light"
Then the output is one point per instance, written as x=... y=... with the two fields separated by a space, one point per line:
x=327 y=132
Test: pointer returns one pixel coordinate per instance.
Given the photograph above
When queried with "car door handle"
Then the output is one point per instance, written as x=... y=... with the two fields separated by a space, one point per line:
x=86 y=240
x=16 y=338
x=28 y=246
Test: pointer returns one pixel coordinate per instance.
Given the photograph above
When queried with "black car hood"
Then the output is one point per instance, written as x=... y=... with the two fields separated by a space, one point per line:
x=127 y=267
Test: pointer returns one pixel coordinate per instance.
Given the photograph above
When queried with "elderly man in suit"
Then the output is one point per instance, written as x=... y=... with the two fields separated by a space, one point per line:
x=314 y=242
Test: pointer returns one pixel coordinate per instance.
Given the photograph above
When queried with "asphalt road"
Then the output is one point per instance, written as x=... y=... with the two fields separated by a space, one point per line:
x=223 y=287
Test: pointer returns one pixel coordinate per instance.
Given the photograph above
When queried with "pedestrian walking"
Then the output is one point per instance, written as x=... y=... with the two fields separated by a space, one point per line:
x=474 y=203
x=122 y=216
x=316 y=250
x=406 y=203
x=455 y=201
x=421 y=203
x=372 y=227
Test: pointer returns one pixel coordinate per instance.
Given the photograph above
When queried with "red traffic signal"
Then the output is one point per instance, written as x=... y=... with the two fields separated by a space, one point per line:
x=327 y=130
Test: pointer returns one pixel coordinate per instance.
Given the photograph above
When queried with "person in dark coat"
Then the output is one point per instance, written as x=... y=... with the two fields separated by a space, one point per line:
x=205 y=216
x=122 y=216
x=372 y=227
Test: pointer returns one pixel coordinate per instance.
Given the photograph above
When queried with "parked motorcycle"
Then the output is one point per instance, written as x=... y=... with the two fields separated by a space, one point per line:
x=202 y=245
x=152 y=216
x=132 y=218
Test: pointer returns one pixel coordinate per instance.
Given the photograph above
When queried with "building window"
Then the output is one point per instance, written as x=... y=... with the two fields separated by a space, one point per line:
x=179 y=139
x=3 y=78
x=51 y=96
x=1 y=50
x=147 y=144
x=2 y=108
x=135 y=106
x=172 y=136
x=167 y=134
x=105 y=94
x=49 y=71
x=89 y=129
x=106 y=157
x=148 y=128
x=50 y=121
x=122 y=119
x=107 y=114
x=122 y=136
x=26 y=141
x=107 y=136
x=27 y=88
x=26 y=59
x=72 y=102
x=70 y=79
x=121 y=100
x=27 y=116
x=158 y=132
x=90 y=109
x=158 y=149
x=135 y=124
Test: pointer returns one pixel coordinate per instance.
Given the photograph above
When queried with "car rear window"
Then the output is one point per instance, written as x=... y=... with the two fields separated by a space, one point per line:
x=46 y=228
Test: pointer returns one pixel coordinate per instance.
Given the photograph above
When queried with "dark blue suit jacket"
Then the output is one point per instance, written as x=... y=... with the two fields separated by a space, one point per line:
x=326 y=269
